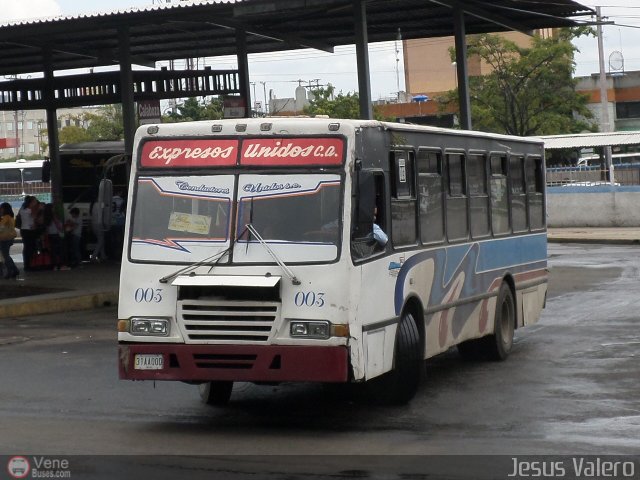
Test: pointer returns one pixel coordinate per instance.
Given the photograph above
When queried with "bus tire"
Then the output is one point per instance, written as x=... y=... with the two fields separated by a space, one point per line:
x=400 y=385
x=498 y=346
x=216 y=393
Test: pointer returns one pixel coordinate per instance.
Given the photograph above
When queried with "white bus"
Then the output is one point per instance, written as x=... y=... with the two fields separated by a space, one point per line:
x=23 y=177
x=249 y=254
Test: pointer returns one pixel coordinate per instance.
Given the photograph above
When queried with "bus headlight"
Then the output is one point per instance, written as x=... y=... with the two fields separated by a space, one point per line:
x=310 y=329
x=149 y=326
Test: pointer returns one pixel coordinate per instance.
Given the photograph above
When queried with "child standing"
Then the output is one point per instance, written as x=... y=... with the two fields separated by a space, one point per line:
x=73 y=234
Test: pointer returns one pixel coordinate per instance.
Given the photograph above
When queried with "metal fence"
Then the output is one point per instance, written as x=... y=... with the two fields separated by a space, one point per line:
x=14 y=192
x=590 y=176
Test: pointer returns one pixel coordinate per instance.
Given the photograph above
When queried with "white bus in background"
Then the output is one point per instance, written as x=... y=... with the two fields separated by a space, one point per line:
x=23 y=177
x=249 y=254
x=618 y=160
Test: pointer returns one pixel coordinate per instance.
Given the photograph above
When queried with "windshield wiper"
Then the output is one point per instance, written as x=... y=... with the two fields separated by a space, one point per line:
x=287 y=270
x=204 y=261
x=193 y=266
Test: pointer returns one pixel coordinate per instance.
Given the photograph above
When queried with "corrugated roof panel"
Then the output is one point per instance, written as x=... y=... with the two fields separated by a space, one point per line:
x=207 y=28
x=148 y=8
x=579 y=140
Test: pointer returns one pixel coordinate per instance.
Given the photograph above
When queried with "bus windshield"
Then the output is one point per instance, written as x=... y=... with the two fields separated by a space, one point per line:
x=297 y=214
x=186 y=219
x=181 y=218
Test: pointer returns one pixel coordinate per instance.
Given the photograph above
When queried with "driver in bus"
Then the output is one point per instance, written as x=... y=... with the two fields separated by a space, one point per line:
x=378 y=234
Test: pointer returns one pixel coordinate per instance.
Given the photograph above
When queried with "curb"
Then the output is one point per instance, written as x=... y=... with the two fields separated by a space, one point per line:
x=595 y=241
x=55 y=303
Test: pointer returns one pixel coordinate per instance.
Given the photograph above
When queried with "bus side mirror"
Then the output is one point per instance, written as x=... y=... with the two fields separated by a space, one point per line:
x=366 y=202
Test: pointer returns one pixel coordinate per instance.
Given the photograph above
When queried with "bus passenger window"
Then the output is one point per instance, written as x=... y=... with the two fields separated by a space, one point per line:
x=534 y=176
x=499 y=194
x=403 y=199
x=430 y=196
x=457 y=228
x=478 y=195
x=518 y=197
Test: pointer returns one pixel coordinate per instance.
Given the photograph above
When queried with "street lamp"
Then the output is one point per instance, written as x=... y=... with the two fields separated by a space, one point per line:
x=455 y=73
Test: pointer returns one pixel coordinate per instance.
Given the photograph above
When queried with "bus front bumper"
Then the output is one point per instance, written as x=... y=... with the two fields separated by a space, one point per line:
x=242 y=363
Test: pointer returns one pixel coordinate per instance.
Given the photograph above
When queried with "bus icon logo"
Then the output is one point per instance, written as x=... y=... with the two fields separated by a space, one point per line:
x=18 y=467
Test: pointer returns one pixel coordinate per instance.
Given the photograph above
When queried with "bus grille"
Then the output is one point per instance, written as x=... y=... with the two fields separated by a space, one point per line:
x=227 y=321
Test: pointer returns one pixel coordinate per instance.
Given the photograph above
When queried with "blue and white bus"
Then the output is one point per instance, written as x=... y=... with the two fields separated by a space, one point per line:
x=249 y=254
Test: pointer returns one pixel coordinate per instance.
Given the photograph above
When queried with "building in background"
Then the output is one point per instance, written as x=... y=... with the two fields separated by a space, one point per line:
x=430 y=72
x=27 y=128
x=623 y=95
x=428 y=67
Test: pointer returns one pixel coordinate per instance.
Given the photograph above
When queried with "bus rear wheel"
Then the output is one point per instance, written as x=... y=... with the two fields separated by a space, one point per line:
x=498 y=345
x=215 y=393
x=400 y=385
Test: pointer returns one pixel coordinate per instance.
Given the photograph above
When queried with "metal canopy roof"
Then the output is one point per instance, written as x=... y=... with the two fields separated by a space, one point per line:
x=580 y=140
x=207 y=28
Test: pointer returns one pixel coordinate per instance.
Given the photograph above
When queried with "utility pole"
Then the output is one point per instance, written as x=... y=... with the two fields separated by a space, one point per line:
x=398 y=40
x=605 y=125
x=266 y=105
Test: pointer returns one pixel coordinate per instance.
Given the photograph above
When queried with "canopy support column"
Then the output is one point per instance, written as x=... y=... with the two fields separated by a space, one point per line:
x=243 y=70
x=52 y=134
x=126 y=90
x=462 y=71
x=362 y=57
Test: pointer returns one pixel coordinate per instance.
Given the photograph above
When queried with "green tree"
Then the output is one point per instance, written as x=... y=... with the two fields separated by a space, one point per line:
x=107 y=124
x=324 y=102
x=530 y=90
x=73 y=134
x=191 y=109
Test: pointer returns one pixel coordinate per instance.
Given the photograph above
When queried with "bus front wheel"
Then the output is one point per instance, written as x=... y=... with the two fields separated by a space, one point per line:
x=400 y=385
x=215 y=393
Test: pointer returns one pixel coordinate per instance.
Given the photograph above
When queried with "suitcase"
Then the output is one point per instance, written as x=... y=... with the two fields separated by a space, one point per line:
x=41 y=260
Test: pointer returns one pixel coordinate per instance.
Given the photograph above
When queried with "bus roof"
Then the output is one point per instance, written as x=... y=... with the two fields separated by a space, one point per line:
x=302 y=125
x=110 y=146
x=21 y=163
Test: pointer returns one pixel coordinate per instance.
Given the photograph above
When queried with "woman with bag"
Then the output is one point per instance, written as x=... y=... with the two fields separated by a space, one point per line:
x=7 y=236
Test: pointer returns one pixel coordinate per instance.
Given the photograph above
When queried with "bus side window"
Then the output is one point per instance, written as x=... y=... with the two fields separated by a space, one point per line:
x=457 y=227
x=478 y=195
x=534 y=176
x=518 y=197
x=430 y=193
x=499 y=194
x=403 y=199
x=369 y=208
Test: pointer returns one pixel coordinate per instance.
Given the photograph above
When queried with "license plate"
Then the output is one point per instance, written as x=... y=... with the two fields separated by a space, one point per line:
x=148 y=362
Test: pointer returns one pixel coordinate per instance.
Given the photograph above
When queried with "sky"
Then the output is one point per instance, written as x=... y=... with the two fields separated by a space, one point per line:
x=283 y=71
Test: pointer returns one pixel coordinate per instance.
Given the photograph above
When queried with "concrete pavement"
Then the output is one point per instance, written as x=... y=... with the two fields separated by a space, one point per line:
x=96 y=285
x=48 y=291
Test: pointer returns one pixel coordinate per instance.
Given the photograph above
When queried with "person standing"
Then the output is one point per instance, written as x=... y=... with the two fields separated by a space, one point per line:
x=73 y=232
x=54 y=232
x=7 y=236
x=27 y=230
x=100 y=230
